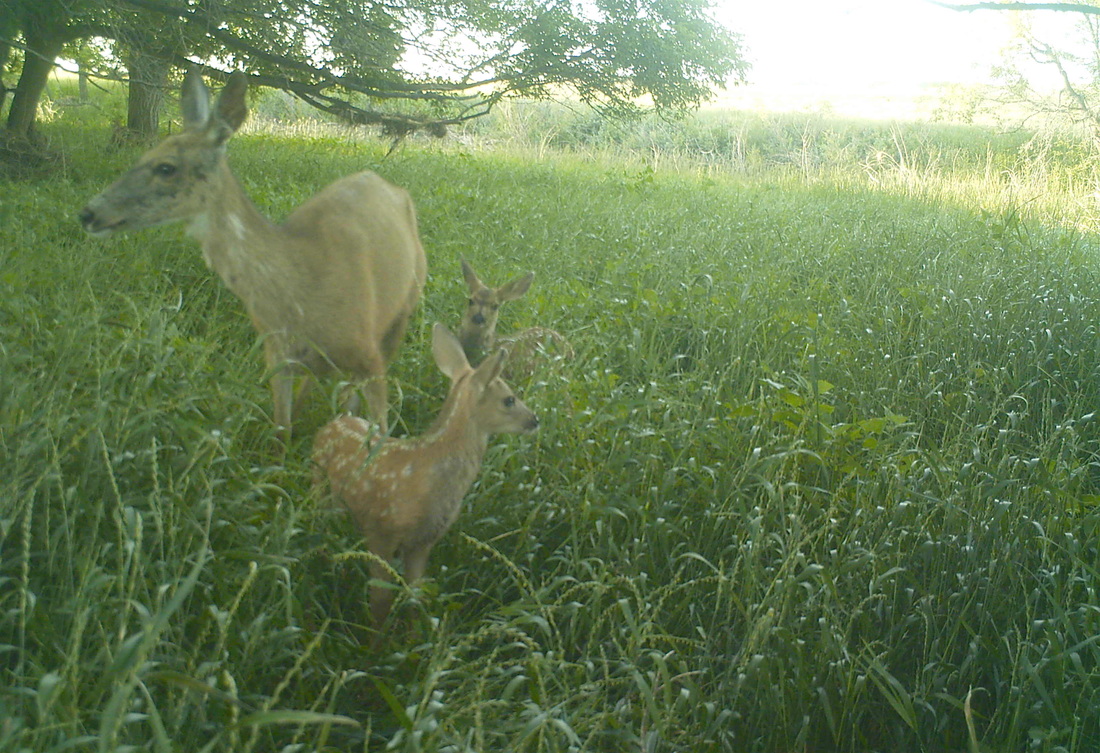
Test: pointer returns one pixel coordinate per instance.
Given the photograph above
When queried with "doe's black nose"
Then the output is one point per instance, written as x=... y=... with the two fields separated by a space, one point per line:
x=86 y=217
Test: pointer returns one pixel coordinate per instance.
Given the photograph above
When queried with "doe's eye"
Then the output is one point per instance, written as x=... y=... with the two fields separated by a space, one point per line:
x=165 y=170
x=509 y=401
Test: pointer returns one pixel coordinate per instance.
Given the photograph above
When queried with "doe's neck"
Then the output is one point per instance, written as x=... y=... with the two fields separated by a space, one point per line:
x=238 y=242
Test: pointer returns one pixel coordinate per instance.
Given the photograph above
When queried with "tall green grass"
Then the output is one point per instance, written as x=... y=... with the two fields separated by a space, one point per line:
x=822 y=474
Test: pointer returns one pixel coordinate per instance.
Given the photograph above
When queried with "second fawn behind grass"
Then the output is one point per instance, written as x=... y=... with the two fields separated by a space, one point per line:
x=478 y=331
x=405 y=493
x=479 y=321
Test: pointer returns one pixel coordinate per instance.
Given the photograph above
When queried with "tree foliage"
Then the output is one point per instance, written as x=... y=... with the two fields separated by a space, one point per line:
x=410 y=64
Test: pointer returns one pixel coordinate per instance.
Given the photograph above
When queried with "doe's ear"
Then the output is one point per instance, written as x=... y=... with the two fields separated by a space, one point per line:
x=194 y=100
x=232 y=109
x=448 y=353
x=472 y=281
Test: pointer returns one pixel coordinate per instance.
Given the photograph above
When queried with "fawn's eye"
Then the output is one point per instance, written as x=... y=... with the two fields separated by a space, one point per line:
x=165 y=170
x=509 y=401
x=495 y=306
x=472 y=302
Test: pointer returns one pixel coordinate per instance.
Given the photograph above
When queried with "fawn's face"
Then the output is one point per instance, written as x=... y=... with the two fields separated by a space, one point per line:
x=479 y=320
x=479 y=394
x=501 y=412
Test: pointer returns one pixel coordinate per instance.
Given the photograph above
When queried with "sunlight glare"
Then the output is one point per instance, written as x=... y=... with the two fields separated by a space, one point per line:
x=844 y=55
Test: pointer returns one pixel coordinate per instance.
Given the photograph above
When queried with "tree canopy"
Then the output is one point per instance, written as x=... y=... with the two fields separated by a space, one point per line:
x=401 y=64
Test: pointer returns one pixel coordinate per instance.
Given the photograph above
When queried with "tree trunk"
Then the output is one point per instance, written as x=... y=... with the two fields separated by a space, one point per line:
x=44 y=37
x=8 y=30
x=148 y=76
x=32 y=82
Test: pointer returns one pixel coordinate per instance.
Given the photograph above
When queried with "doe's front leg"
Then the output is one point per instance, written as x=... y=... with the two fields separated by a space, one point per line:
x=290 y=384
x=374 y=388
x=282 y=393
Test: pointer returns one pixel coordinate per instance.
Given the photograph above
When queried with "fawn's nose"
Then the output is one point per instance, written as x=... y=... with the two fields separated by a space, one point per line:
x=477 y=319
x=86 y=217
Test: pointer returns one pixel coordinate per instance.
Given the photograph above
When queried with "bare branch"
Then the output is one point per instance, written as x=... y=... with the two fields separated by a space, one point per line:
x=1079 y=99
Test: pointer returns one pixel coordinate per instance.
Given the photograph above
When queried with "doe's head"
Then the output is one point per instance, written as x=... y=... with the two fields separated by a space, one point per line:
x=480 y=393
x=479 y=321
x=172 y=181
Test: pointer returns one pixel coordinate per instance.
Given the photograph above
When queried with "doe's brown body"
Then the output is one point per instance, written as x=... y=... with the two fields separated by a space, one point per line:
x=331 y=287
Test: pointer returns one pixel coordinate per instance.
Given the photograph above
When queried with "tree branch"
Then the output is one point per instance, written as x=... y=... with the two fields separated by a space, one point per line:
x=441 y=92
x=1078 y=98
x=1067 y=7
x=315 y=96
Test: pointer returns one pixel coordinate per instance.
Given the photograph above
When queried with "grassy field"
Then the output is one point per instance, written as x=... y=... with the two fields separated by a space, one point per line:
x=822 y=474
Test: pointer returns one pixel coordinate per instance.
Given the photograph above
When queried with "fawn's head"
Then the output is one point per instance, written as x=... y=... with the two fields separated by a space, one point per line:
x=171 y=181
x=480 y=393
x=479 y=321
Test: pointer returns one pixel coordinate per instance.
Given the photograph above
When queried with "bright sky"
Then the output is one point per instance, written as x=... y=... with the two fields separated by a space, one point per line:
x=831 y=49
x=865 y=41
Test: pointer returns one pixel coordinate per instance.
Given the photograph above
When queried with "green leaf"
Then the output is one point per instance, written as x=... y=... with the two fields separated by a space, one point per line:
x=264 y=718
x=395 y=705
x=894 y=692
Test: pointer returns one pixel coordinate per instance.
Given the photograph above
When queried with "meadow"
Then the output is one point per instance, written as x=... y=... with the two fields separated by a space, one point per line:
x=822 y=473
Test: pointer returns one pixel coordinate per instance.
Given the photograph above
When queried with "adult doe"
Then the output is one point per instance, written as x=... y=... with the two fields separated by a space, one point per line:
x=333 y=286
x=405 y=493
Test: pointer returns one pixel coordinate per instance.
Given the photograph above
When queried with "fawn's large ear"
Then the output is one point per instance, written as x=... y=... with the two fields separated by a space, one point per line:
x=448 y=353
x=472 y=282
x=490 y=368
x=194 y=100
x=231 y=109
x=510 y=291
